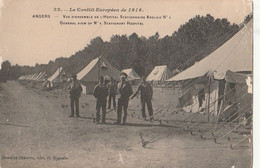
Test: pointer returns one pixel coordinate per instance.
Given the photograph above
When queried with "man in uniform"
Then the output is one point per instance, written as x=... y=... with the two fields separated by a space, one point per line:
x=112 y=92
x=101 y=92
x=124 y=92
x=146 y=97
x=75 y=90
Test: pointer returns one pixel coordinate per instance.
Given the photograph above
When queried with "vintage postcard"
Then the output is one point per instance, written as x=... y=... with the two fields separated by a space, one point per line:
x=126 y=83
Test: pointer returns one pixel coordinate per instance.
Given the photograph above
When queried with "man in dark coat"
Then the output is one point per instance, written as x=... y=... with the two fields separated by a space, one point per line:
x=101 y=92
x=124 y=92
x=75 y=90
x=146 y=97
x=112 y=92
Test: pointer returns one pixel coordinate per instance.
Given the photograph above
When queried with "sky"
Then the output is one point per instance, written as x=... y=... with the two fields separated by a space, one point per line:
x=26 y=40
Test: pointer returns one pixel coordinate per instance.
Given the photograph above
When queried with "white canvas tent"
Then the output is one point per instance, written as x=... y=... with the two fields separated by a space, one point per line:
x=35 y=75
x=159 y=74
x=133 y=77
x=28 y=77
x=89 y=75
x=56 y=77
x=96 y=68
x=39 y=74
x=41 y=77
x=21 y=77
x=24 y=78
x=31 y=77
x=235 y=56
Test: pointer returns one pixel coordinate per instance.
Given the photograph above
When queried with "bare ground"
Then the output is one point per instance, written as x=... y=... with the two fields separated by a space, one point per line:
x=34 y=124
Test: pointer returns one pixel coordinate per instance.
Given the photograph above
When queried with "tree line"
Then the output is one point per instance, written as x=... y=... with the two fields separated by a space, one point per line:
x=194 y=40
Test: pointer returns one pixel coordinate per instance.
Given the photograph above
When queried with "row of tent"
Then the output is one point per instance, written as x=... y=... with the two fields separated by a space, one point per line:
x=98 y=67
x=34 y=77
x=56 y=77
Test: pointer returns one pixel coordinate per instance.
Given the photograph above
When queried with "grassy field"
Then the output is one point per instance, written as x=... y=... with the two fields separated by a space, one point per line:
x=36 y=131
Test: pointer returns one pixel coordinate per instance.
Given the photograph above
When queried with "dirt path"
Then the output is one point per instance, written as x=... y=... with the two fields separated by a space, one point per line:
x=33 y=125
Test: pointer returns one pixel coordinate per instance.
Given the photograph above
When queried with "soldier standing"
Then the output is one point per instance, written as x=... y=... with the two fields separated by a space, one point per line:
x=146 y=97
x=101 y=92
x=75 y=90
x=112 y=92
x=124 y=91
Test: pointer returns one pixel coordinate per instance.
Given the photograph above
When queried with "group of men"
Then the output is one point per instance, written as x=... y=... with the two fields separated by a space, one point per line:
x=124 y=92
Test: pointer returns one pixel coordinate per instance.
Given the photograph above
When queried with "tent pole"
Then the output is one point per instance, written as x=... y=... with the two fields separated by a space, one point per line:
x=99 y=66
x=221 y=105
x=209 y=100
x=59 y=72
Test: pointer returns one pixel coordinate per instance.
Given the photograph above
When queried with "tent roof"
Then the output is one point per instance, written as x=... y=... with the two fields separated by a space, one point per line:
x=29 y=76
x=236 y=55
x=132 y=75
x=40 y=76
x=87 y=69
x=26 y=77
x=94 y=69
x=159 y=73
x=56 y=74
x=35 y=75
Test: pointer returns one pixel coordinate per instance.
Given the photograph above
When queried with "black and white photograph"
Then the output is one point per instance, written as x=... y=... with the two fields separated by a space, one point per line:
x=126 y=83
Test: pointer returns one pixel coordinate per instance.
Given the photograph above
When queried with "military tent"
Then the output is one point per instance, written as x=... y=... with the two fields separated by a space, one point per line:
x=159 y=74
x=32 y=76
x=41 y=77
x=24 y=77
x=39 y=74
x=21 y=77
x=133 y=77
x=220 y=71
x=89 y=76
x=28 y=77
x=57 y=77
x=235 y=55
x=35 y=75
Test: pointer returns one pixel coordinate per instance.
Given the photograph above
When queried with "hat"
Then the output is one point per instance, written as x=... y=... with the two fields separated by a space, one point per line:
x=123 y=74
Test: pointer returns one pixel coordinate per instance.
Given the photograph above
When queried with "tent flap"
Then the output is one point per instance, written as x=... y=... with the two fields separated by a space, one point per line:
x=233 y=77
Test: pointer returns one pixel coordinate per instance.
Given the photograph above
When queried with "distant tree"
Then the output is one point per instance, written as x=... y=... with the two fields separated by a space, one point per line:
x=193 y=41
x=5 y=70
x=96 y=46
x=248 y=18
